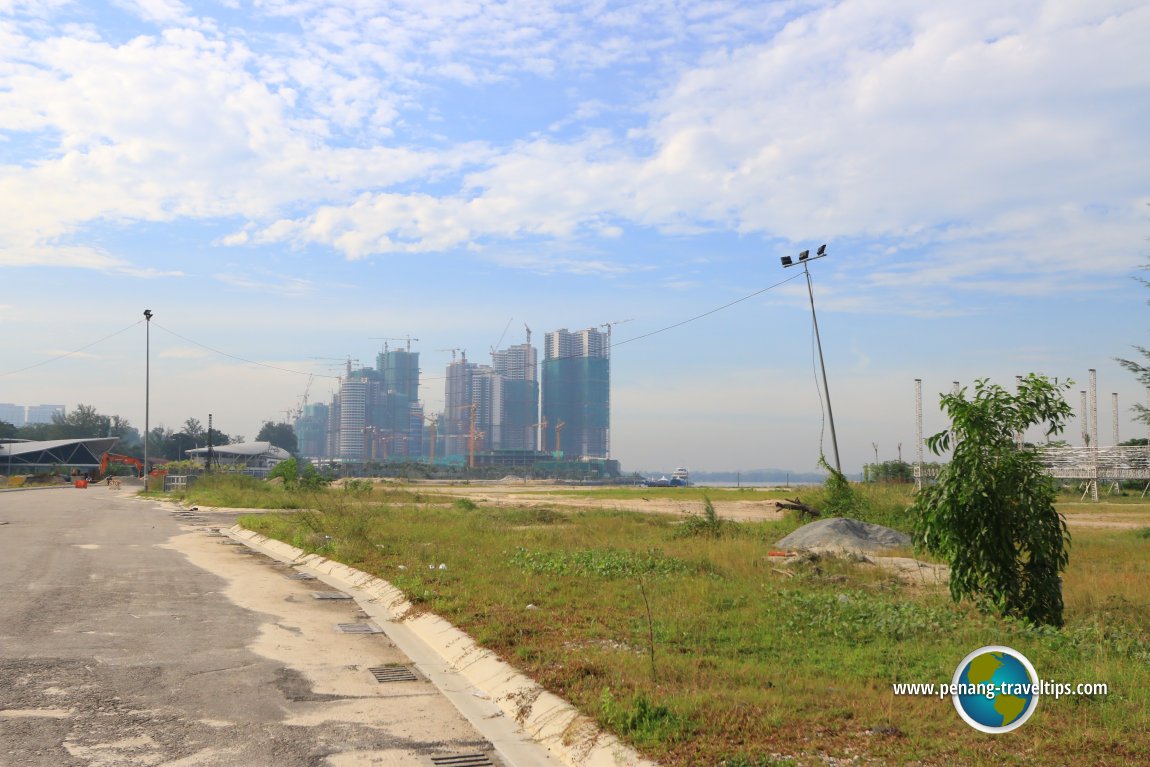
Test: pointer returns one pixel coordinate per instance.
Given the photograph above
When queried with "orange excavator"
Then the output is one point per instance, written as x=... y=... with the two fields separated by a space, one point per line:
x=125 y=459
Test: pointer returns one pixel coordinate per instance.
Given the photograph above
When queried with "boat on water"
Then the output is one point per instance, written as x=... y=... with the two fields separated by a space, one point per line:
x=679 y=478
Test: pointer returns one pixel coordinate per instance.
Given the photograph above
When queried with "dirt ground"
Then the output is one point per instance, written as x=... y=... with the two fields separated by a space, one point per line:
x=554 y=495
x=1124 y=517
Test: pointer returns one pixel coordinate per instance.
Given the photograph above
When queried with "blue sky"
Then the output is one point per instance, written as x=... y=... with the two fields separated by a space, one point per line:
x=290 y=179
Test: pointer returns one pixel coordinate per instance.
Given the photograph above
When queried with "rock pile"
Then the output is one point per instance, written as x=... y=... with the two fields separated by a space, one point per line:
x=845 y=534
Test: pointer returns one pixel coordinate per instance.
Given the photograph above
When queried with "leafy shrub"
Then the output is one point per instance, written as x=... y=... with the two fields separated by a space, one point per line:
x=287 y=470
x=705 y=525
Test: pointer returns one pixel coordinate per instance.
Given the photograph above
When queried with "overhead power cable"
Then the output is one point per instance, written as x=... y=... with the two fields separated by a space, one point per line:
x=74 y=351
x=238 y=358
x=423 y=378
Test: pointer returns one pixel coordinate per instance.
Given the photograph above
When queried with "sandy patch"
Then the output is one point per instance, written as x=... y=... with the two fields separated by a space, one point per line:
x=27 y=713
x=328 y=680
x=749 y=510
x=1109 y=521
x=913 y=572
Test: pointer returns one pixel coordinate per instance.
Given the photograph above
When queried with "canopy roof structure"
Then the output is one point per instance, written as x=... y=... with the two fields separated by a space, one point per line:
x=254 y=455
x=29 y=455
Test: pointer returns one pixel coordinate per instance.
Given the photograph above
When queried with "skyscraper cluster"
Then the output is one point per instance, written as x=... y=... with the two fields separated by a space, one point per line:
x=557 y=409
x=21 y=415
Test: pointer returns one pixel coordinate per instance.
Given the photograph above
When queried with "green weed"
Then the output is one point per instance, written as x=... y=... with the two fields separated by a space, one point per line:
x=707 y=524
x=641 y=721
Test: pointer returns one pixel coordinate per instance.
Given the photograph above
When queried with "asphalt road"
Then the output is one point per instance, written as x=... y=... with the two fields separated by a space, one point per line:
x=133 y=636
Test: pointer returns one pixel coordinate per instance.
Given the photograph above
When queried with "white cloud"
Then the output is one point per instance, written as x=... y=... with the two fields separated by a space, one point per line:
x=184 y=353
x=990 y=140
x=158 y=11
x=267 y=282
x=1006 y=138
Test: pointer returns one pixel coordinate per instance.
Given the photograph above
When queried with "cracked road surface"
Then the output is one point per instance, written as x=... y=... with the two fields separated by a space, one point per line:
x=131 y=635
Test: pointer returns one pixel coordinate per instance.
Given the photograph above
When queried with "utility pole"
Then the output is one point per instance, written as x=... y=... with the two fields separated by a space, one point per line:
x=804 y=257
x=147 y=388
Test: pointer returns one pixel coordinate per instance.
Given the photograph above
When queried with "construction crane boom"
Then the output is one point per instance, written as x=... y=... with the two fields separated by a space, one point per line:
x=385 y=339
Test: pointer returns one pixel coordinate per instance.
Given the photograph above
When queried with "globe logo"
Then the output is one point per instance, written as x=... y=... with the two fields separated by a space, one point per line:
x=995 y=689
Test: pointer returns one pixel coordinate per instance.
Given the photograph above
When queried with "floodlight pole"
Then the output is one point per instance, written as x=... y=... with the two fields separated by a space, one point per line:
x=803 y=259
x=147 y=387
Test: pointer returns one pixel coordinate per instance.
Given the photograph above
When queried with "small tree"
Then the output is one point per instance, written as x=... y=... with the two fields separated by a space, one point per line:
x=287 y=470
x=279 y=434
x=1142 y=371
x=991 y=513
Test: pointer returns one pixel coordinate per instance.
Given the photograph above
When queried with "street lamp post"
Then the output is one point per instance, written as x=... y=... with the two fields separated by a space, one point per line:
x=147 y=387
x=804 y=257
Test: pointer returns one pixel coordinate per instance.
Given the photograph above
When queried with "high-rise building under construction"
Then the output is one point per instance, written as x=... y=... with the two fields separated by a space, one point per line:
x=577 y=391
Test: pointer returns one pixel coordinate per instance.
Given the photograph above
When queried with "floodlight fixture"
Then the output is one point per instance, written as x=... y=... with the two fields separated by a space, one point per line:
x=804 y=255
x=822 y=250
x=786 y=260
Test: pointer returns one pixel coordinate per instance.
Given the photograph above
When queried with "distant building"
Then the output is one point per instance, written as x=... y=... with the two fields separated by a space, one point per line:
x=352 y=418
x=43 y=413
x=457 y=406
x=13 y=414
x=311 y=430
x=576 y=374
x=392 y=403
x=520 y=400
x=375 y=416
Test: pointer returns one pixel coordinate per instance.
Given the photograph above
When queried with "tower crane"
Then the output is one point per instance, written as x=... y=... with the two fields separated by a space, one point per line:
x=346 y=362
x=385 y=339
x=610 y=325
x=453 y=350
x=500 y=341
x=543 y=425
x=297 y=411
x=558 y=437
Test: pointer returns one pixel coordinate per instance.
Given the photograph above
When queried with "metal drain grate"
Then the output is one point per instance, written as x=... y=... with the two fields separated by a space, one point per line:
x=463 y=760
x=302 y=577
x=358 y=628
x=230 y=542
x=394 y=673
x=330 y=595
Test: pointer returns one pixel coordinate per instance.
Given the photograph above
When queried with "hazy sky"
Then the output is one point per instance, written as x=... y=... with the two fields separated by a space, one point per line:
x=286 y=180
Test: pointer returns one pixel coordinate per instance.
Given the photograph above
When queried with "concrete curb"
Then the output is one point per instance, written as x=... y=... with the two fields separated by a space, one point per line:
x=545 y=718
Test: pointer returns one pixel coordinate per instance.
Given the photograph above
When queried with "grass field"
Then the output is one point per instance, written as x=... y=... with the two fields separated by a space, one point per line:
x=696 y=646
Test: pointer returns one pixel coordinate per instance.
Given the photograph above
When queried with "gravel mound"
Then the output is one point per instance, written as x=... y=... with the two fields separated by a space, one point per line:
x=844 y=534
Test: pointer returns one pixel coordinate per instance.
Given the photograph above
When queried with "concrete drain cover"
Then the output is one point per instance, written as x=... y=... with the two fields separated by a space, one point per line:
x=358 y=628
x=394 y=673
x=463 y=760
x=330 y=595
x=302 y=577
